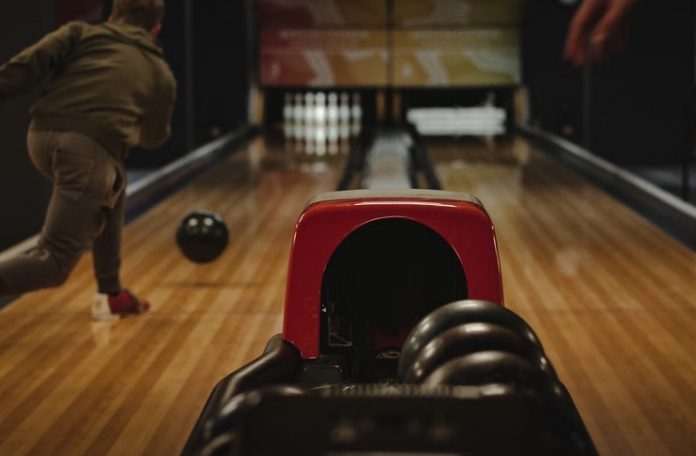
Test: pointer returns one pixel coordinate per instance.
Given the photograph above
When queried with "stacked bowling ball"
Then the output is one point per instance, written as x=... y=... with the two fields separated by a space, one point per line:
x=469 y=342
x=477 y=343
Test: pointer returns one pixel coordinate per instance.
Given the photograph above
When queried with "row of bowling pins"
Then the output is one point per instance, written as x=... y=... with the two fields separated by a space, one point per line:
x=330 y=132
x=320 y=108
x=319 y=123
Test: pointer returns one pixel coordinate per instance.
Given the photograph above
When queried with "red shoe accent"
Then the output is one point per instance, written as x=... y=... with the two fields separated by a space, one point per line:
x=127 y=303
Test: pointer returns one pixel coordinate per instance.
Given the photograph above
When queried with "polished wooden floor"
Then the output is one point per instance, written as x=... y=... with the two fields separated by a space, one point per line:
x=612 y=298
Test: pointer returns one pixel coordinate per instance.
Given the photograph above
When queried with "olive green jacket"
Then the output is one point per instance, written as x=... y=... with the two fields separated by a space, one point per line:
x=106 y=81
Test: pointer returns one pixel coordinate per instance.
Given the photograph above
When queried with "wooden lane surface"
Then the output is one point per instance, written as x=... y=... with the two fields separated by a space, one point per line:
x=136 y=386
x=612 y=298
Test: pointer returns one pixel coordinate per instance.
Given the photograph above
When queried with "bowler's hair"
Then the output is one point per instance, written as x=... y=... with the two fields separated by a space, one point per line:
x=142 y=13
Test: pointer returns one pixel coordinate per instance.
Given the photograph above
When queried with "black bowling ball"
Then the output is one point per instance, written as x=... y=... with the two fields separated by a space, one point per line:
x=202 y=236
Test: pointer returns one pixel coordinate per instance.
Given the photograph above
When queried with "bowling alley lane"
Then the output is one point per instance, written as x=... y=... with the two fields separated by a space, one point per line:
x=136 y=386
x=610 y=295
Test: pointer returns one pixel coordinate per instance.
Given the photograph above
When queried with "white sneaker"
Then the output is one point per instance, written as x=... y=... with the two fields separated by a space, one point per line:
x=101 y=310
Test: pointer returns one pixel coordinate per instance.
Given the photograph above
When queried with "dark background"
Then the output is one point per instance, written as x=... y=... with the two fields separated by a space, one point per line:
x=23 y=192
x=630 y=110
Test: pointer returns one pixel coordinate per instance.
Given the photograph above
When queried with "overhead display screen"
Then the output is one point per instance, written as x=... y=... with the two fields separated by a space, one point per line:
x=406 y=43
x=292 y=57
x=456 y=58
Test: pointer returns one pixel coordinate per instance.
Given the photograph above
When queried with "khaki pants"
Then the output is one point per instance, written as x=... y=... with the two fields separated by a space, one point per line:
x=85 y=211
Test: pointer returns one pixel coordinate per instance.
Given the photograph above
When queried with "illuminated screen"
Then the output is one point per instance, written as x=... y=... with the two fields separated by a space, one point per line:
x=349 y=43
x=462 y=58
x=292 y=57
x=310 y=13
x=448 y=13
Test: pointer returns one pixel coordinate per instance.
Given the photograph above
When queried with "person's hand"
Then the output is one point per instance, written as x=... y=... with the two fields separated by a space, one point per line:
x=598 y=28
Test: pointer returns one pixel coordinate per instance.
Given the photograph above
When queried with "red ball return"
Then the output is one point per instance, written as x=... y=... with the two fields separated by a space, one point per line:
x=395 y=340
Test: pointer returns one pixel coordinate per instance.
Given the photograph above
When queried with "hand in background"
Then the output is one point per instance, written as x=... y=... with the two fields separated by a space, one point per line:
x=598 y=29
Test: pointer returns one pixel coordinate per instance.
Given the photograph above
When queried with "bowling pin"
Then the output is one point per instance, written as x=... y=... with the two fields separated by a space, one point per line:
x=321 y=126
x=288 y=109
x=332 y=109
x=319 y=108
x=288 y=117
x=356 y=115
x=344 y=109
x=320 y=138
x=298 y=109
x=309 y=108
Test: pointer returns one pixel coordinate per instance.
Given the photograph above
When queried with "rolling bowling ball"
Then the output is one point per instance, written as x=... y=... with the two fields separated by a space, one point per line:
x=202 y=236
